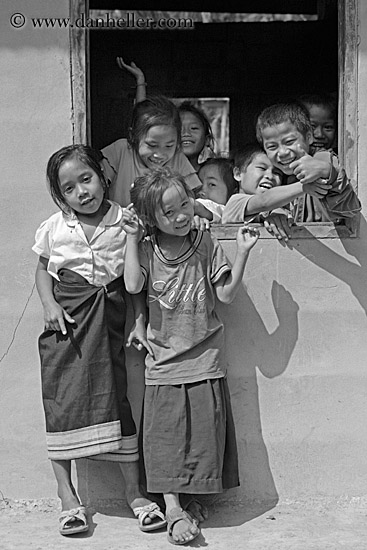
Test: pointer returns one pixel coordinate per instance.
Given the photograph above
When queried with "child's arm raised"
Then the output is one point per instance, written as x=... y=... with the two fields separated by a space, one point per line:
x=139 y=77
x=227 y=286
x=54 y=315
x=133 y=277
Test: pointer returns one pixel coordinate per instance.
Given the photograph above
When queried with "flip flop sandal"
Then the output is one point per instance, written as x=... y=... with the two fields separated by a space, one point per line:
x=142 y=512
x=175 y=515
x=75 y=515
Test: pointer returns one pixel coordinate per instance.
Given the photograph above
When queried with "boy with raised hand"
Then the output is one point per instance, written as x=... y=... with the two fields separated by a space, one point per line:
x=285 y=132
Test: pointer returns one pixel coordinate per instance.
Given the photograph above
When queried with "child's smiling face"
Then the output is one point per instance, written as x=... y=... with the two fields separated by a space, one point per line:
x=284 y=144
x=259 y=176
x=176 y=212
x=158 y=146
x=192 y=135
x=323 y=126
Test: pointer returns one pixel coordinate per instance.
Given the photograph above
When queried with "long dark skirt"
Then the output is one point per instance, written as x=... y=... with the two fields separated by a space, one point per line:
x=84 y=375
x=189 y=442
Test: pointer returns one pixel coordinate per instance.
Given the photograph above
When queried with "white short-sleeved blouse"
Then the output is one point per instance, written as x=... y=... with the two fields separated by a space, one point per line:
x=62 y=241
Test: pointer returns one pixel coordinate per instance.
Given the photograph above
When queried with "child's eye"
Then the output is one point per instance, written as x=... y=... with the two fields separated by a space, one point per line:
x=212 y=184
x=67 y=190
x=270 y=147
x=290 y=141
x=168 y=213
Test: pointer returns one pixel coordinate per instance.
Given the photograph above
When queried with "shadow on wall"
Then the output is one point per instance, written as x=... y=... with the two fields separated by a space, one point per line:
x=351 y=273
x=270 y=353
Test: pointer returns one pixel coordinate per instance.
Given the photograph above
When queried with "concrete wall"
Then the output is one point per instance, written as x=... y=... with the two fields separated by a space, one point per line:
x=35 y=110
x=296 y=343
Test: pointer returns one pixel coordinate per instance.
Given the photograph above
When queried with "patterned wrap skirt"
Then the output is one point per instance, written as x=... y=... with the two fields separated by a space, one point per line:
x=83 y=375
x=189 y=442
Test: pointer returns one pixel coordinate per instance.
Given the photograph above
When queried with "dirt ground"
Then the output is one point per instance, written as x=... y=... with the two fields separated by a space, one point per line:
x=33 y=525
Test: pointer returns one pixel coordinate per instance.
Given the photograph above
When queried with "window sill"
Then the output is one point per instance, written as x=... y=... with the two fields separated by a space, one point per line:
x=314 y=230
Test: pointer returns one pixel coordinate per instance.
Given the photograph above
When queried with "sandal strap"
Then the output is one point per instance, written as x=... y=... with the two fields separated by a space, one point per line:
x=152 y=507
x=142 y=512
x=74 y=513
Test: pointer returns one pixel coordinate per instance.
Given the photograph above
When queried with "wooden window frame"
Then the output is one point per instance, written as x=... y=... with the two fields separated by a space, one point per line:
x=347 y=122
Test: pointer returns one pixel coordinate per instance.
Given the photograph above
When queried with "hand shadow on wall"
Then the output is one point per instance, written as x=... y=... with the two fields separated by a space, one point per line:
x=353 y=274
x=270 y=354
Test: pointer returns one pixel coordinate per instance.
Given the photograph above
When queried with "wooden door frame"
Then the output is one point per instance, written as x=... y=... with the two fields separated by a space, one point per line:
x=79 y=73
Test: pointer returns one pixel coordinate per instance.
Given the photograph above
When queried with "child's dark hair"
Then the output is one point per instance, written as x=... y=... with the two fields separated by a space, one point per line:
x=147 y=192
x=295 y=113
x=225 y=168
x=153 y=111
x=89 y=156
x=325 y=100
x=243 y=157
x=188 y=107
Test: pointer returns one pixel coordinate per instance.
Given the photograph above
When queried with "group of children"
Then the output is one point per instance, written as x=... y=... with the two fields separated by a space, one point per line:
x=306 y=131
x=130 y=221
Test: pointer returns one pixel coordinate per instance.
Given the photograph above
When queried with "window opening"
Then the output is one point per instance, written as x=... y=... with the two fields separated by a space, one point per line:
x=345 y=48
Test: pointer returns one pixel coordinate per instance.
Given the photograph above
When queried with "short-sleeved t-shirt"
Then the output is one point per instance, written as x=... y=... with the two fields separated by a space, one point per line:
x=235 y=210
x=122 y=166
x=184 y=331
x=62 y=241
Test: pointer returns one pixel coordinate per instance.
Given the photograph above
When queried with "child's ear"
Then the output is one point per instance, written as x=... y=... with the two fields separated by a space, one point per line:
x=237 y=174
x=104 y=180
x=309 y=138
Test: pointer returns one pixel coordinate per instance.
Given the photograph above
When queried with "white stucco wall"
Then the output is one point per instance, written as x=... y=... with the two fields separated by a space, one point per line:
x=296 y=341
x=35 y=111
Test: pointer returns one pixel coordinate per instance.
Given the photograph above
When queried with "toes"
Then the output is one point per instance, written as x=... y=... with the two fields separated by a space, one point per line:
x=189 y=534
x=149 y=519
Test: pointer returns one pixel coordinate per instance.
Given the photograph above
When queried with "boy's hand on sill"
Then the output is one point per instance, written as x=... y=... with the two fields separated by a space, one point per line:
x=279 y=225
x=199 y=223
